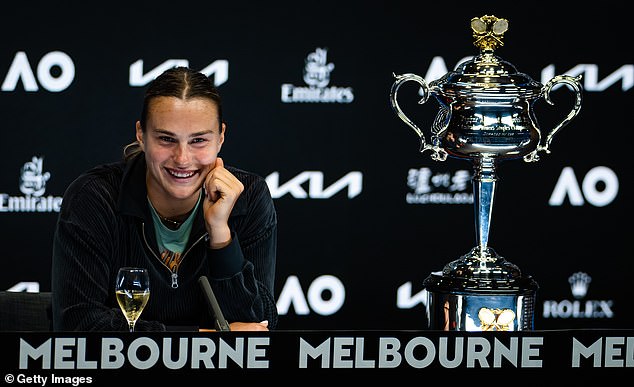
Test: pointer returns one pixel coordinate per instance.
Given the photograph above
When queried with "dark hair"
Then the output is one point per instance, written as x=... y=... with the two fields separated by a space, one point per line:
x=179 y=82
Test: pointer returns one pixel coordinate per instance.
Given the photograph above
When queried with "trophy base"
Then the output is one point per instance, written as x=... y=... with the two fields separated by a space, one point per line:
x=480 y=292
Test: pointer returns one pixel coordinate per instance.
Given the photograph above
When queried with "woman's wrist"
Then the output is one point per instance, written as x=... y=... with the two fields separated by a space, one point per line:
x=219 y=237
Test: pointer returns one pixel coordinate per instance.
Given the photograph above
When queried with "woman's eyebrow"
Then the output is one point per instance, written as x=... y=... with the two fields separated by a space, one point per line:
x=169 y=133
x=202 y=133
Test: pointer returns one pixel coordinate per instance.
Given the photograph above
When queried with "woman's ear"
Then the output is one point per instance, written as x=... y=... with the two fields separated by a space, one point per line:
x=139 y=135
x=223 y=130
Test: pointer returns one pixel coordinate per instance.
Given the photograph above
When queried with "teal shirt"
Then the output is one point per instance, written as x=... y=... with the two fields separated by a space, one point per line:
x=171 y=243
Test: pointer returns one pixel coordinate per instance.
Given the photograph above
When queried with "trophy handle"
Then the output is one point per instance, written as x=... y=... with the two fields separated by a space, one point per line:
x=438 y=153
x=575 y=84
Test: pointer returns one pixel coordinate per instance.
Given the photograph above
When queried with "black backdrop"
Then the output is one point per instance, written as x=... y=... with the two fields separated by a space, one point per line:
x=353 y=251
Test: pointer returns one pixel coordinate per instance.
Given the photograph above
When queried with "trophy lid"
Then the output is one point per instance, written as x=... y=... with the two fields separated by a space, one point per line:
x=487 y=75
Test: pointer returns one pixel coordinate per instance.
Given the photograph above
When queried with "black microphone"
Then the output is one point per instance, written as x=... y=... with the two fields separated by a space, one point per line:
x=219 y=320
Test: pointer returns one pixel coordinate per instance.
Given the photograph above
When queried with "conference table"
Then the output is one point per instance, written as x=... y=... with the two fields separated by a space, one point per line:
x=104 y=358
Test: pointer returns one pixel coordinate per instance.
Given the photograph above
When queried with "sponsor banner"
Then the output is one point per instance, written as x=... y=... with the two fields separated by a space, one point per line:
x=95 y=358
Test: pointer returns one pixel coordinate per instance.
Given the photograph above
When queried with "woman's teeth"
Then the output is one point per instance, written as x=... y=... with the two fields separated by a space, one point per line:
x=181 y=174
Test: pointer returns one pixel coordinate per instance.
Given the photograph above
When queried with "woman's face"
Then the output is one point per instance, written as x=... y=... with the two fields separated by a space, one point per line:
x=181 y=142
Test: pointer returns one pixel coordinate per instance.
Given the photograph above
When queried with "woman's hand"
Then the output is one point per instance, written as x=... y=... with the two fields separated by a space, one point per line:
x=222 y=190
x=243 y=326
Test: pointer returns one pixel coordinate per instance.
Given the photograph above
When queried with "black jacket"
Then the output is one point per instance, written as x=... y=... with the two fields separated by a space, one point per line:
x=105 y=223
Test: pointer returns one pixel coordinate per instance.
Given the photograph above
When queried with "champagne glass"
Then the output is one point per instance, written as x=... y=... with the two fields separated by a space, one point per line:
x=133 y=291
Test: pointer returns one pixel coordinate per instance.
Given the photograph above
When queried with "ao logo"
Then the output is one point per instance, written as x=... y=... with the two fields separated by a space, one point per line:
x=20 y=70
x=567 y=186
x=293 y=294
x=25 y=286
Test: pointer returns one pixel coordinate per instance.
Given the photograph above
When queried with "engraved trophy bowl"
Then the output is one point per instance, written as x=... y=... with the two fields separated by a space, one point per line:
x=486 y=115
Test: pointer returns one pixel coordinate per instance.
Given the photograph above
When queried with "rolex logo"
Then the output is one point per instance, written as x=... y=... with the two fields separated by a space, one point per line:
x=579 y=283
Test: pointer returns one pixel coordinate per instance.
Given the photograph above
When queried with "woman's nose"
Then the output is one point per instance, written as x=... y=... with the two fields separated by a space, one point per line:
x=181 y=154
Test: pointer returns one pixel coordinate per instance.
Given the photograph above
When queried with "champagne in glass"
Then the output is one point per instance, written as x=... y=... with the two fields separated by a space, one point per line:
x=133 y=291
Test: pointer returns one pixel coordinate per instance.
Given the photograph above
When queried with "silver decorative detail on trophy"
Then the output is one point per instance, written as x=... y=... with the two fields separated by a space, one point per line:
x=486 y=115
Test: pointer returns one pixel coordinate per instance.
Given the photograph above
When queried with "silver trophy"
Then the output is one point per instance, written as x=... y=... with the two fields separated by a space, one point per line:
x=486 y=115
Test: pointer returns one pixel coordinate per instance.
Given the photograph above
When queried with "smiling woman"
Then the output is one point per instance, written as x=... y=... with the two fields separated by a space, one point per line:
x=170 y=206
x=181 y=141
